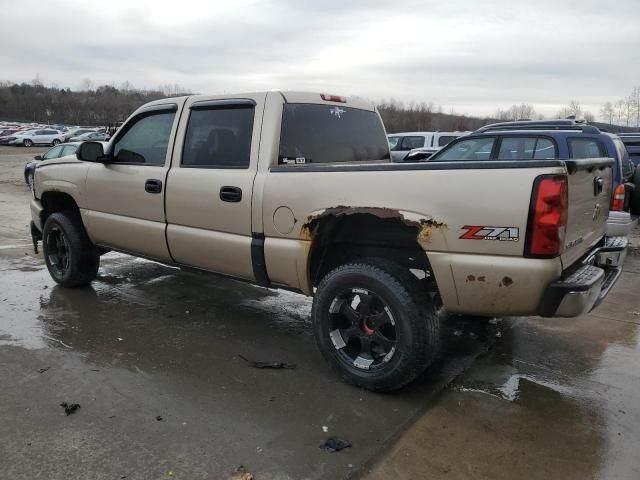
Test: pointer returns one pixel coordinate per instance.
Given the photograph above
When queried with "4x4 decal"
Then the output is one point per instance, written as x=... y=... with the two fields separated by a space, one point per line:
x=484 y=232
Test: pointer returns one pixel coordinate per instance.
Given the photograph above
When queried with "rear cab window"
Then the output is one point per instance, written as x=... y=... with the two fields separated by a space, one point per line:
x=586 y=148
x=316 y=133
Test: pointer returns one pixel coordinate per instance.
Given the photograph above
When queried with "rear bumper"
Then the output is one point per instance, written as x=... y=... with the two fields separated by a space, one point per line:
x=619 y=224
x=584 y=288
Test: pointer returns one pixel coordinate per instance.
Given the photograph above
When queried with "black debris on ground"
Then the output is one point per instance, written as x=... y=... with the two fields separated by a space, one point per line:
x=274 y=365
x=335 y=444
x=42 y=370
x=159 y=418
x=70 y=408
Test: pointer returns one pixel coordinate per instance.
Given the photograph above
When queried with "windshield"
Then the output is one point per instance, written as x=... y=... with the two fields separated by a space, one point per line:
x=313 y=133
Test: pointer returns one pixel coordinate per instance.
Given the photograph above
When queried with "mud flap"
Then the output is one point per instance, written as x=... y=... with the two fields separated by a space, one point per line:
x=36 y=235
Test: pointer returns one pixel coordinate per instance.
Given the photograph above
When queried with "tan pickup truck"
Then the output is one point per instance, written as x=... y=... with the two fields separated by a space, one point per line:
x=296 y=190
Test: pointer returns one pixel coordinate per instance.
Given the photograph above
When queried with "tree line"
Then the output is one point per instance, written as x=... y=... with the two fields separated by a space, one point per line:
x=106 y=104
x=34 y=102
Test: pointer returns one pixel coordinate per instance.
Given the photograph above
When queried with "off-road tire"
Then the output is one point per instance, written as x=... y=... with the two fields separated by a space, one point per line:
x=83 y=259
x=634 y=202
x=417 y=324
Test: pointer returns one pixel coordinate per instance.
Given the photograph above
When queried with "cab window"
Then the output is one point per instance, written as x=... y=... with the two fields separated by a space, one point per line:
x=145 y=141
x=393 y=143
x=219 y=138
x=55 y=152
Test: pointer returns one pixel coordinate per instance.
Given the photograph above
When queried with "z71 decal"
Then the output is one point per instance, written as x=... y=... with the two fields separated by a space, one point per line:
x=483 y=232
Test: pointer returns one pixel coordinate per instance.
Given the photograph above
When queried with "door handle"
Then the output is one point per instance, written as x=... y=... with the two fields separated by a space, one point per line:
x=230 y=194
x=153 y=186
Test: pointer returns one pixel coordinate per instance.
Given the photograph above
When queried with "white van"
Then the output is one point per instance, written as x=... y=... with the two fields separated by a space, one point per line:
x=401 y=143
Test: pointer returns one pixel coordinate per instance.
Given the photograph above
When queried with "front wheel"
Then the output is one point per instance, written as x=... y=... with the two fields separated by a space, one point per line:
x=71 y=258
x=55 y=142
x=375 y=325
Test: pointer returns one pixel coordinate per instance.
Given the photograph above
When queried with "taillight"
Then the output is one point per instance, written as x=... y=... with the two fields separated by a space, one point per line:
x=618 y=199
x=332 y=98
x=547 y=216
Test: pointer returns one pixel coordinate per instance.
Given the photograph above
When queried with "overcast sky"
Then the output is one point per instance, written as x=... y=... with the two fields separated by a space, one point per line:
x=472 y=56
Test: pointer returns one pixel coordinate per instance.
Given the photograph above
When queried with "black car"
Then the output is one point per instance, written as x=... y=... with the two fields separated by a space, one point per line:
x=55 y=152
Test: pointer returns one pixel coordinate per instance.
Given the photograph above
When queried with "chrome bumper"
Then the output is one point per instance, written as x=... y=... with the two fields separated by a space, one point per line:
x=584 y=288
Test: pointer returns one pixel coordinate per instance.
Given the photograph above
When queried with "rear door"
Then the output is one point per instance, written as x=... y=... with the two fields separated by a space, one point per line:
x=590 y=190
x=209 y=187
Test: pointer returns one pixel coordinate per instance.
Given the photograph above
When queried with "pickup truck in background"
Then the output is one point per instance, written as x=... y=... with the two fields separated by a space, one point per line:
x=296 y=191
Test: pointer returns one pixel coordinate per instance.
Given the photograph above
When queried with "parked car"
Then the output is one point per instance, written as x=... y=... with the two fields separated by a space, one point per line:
x=36 y=137
x=551 y=140
x=631 y=142
x=76 y=132
x=90 y=136
x=55 y=152
x=6 y=135
x=400 y=144
x=294 y=190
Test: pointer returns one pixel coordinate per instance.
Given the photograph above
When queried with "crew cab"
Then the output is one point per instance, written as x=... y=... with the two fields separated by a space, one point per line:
x=296 y=191
x=552 y=140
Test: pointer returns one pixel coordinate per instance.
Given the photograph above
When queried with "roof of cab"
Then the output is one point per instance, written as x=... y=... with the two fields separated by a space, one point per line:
x=289 y=96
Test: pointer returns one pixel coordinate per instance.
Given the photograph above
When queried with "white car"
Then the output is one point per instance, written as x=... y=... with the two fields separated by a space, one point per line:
x=44 y=136
x=90 y=136
x=400 y=144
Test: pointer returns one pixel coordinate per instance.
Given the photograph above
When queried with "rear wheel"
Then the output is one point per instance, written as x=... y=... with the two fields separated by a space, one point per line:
x=55 y=142
x=375 y=325
x=27 y=143
x=71 y=258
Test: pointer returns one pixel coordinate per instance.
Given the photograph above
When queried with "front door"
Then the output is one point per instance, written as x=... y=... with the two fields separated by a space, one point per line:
x=126 y=195
x=209 y=186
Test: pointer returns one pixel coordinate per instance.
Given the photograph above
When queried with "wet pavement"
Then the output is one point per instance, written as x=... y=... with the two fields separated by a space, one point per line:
x=529 y=398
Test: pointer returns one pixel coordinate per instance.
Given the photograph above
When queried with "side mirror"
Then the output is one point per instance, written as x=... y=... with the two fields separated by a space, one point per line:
x=417 y=156
x=38 y=157
x=90 y=152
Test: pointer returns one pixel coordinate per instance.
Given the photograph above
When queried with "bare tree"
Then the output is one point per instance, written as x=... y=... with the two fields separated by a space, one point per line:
x=608 y=112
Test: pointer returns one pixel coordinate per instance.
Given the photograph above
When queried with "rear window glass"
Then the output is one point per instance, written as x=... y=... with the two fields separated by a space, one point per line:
x=219 y=138
x=526 y=148
x=445 y=140
x=586 y=148
x=314 y=133
x=471 y=149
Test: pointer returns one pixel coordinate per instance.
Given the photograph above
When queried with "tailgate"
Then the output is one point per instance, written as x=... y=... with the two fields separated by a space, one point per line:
x=589 y=182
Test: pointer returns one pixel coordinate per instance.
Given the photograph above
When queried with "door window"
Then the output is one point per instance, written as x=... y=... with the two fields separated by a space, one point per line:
x=409 y=143
x=526 y=148
x=472 y=149
x=445 y=140
x=55 y=152
x=69 y=150
x=145 y=141
x=393 y=143
x=219 y=138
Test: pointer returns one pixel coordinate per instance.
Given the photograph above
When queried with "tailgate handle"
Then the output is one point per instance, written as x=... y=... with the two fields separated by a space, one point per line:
x=231 y=194
x=598 y=186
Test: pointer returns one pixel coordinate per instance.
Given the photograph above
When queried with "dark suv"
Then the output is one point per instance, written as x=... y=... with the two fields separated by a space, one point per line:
x=549 y=140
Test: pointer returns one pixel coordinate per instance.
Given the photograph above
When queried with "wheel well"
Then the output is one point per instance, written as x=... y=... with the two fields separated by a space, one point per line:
x=56 y=202
x=339 y=238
